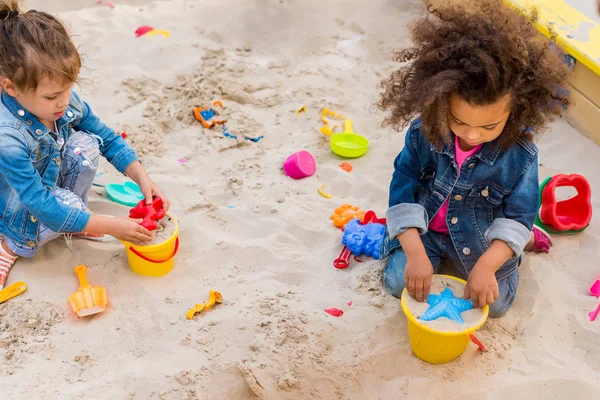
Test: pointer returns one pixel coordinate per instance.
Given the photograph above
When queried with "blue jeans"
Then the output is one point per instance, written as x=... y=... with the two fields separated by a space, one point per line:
x=79 y=162
x=439 y=246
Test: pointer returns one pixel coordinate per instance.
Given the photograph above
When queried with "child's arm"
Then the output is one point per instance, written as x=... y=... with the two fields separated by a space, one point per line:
x=507 y=236
x=116 y=150
x=125 y=229
x=406 y=219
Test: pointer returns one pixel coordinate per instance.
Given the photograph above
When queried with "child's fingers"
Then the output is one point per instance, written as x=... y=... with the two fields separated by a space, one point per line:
x=496 y=293
x=419 y=290
x=490 y=298
x=143 y=232
x=475 y=299
x=467 y=294
x=482 y=300
x=426 y=288
x=411 y=288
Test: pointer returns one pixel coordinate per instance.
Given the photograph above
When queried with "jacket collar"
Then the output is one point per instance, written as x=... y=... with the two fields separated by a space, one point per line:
x=30 y=121
x=488 y=153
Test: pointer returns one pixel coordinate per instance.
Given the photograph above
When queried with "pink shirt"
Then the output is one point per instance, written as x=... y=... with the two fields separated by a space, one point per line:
x=438 y=222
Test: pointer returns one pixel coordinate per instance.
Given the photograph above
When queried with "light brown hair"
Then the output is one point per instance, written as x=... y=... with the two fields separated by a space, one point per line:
x=481 y=51
x=34 y=45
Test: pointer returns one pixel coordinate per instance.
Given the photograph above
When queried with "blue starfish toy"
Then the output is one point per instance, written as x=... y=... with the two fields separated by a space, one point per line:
x=446 y=305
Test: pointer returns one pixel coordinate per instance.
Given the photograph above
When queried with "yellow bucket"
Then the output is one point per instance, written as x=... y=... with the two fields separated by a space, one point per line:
x=155 y=260
x=437 y=347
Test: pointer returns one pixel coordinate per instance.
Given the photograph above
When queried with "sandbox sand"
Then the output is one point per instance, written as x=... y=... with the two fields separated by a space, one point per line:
x=438 y=284
x=166 y=228
x=264 y=240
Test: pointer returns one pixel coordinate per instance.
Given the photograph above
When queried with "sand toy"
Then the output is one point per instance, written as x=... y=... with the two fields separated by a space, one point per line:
x=436 y=346
x=213 y=297
x=150 y=213
x=300 y=165
x=595 y=288
x=88 y=300
x=568 y=216
x=127 y=194
x=206 y=115
x=12 y=291
x=346 y=213
x=361 y=238
x=349 y=144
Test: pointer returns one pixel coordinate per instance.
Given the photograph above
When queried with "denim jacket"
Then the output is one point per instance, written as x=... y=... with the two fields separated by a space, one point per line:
x=495 y=196
x=30 y=160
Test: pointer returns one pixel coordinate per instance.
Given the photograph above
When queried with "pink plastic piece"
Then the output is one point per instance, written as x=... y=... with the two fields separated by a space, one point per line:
x=591 y=314
x=336 y=312
x=595 y=288
x=300 y=165
x=142 y=30
x=349 y=303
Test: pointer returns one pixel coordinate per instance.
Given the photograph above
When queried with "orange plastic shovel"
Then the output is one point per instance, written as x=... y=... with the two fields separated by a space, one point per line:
x=88 y=300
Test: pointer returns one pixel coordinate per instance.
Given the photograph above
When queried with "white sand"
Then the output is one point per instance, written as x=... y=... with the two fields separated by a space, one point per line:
x=270 y=256
x=471 y=317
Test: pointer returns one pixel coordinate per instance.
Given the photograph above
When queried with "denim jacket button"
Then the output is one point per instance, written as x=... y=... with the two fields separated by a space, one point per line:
x=458 y=197
x=58 y=161
x=485 y=193
x=472 y=165
x=466 y=251
x=21 y=113
x=31 y=244
x=32 y=218
x=454 y=220
x=29 y=122
x=70 y=114
x=38 y=131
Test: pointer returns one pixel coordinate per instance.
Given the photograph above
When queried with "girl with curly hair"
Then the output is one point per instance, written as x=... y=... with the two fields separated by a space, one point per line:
x=478 y=85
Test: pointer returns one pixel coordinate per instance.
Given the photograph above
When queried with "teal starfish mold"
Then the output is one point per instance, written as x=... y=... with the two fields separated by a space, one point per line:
x=446 y=305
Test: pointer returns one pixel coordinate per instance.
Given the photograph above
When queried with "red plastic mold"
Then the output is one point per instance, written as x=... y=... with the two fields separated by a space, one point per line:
x=573 y=214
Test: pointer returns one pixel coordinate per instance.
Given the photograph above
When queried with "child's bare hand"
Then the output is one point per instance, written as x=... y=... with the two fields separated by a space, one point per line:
x=130 y=230
x=481 y=287
x=417 y=276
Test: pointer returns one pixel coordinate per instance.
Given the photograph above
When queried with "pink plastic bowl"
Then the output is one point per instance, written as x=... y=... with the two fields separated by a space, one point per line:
x=300 y=165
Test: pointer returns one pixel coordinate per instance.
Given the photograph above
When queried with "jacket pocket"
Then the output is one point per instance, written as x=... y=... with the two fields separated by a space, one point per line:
x=40 y=158
x=486 y=195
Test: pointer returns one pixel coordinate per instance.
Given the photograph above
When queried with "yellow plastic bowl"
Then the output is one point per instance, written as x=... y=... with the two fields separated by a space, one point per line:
x=437 y=347
x=155 y=260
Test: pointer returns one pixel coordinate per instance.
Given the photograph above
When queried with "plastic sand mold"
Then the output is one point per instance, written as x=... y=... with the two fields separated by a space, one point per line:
x=433 y=346
x=348 y=144
x=213 y=297
x=128 y=194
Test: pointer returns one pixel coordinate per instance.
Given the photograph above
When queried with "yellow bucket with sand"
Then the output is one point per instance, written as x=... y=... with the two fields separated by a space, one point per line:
x=154 y=260
x=437 y=347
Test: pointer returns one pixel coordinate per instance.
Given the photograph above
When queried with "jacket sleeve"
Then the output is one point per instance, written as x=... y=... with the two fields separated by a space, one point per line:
x=520 y=209
x=403 y=212
x=27 y=183
x=113 y=147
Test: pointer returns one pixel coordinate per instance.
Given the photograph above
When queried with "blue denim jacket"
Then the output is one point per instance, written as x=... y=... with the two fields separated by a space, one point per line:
x=29 y=166
x=495 y=196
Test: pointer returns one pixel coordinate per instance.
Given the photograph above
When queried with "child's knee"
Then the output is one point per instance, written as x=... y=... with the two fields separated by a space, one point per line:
x=394 y=272
x=69 y=198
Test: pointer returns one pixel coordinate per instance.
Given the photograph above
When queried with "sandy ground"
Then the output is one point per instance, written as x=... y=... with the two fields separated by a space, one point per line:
x=265 y=241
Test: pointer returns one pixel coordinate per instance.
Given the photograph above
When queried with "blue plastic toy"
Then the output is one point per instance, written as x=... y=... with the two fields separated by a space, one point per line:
x=363 y=239
x=446 y=305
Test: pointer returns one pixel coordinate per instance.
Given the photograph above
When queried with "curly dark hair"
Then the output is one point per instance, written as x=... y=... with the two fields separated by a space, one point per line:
x=480 y=51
